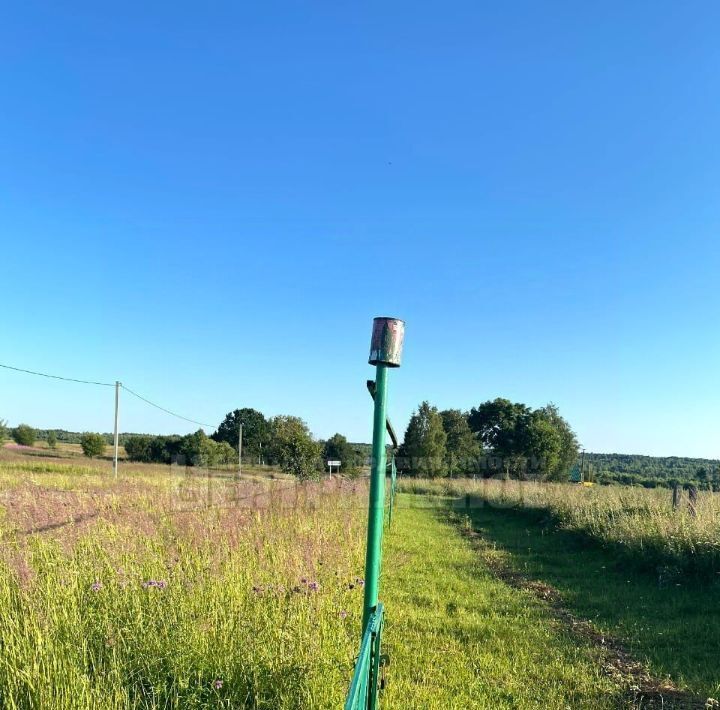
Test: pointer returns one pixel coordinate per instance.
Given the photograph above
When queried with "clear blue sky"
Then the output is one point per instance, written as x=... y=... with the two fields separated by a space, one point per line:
x=210 y=202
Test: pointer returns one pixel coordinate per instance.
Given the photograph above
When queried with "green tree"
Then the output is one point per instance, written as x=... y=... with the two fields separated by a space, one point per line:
x=568 y=451
x=24 y=435
x=3 y=431
x=52 y=439
x=293 y=447
x=424 y=445
x=224 y=453
x=463 y=447
x=137 y=448
x=500 y=426
x=197 y=449
x=93 y=444
x=256 y=432
x=165 y=449
x=540 y=445
x=538 y=441
x=337 y=448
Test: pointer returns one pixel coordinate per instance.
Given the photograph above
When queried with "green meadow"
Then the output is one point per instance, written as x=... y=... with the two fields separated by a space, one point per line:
x=179 y=591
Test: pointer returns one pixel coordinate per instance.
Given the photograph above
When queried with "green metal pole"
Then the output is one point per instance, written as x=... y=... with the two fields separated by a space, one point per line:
x=376 y=508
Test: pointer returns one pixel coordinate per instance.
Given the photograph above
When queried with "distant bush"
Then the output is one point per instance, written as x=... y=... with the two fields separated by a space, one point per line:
x=294 y=448
x=165 y=449
x=24 y=435
x=225 y=453
x=337 y=448
x=138 y=448
x=93 y=444
x=52 y=440
x=194 y=450
x=3 y=431
x=200 y=450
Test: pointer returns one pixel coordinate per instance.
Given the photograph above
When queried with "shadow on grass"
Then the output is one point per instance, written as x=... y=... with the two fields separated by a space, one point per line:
x=671 y=625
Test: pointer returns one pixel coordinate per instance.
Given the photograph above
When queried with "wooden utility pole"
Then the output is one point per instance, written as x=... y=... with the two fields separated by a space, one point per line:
x=116 y=434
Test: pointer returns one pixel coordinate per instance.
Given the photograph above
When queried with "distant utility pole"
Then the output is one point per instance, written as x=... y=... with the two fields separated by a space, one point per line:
x=115 y=438
x=240 y=450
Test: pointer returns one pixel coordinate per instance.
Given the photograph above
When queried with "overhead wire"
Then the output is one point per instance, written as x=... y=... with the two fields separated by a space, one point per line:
x=162 y=409
x=106 y=384
x=58 y=377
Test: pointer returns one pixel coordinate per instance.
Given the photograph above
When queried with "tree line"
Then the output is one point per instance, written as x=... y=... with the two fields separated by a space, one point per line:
x=284 y=441
x=497 y=437
x=652 y=471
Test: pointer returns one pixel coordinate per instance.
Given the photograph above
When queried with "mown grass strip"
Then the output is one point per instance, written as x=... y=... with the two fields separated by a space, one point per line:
x=460 y=638
x=671 y=625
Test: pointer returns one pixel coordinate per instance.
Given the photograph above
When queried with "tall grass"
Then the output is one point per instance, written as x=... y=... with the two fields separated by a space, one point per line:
x=158 y=599
x=639 y=524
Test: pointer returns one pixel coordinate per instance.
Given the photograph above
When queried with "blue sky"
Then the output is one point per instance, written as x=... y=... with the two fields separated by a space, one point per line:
x=210 y=203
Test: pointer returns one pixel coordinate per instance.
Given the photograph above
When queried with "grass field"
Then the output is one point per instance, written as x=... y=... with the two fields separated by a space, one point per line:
x=72 y=455
x=175 y=592
x=639 y=525
x=168 y=590
x=672 y=628
x=458 y=637
x=620 y=557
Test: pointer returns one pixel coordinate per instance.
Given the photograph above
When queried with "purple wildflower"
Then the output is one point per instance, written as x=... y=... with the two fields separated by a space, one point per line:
x=303 y=580
x=154 y=584
x=313 y=586
x=343 y=614
x=217 y=684
x=360 y=581
x=96 y=586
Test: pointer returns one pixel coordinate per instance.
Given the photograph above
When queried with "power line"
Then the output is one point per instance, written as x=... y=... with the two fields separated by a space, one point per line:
x=162 y=409
x=57 y=377
x=106 y=384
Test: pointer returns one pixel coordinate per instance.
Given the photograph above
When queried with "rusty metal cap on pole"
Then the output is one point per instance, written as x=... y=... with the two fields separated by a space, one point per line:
x=387 y=341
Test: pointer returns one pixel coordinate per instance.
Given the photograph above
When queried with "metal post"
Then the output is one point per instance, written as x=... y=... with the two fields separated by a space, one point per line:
x=385 y=352
x=240 y=450
x=115 y=437
x=376 y=507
